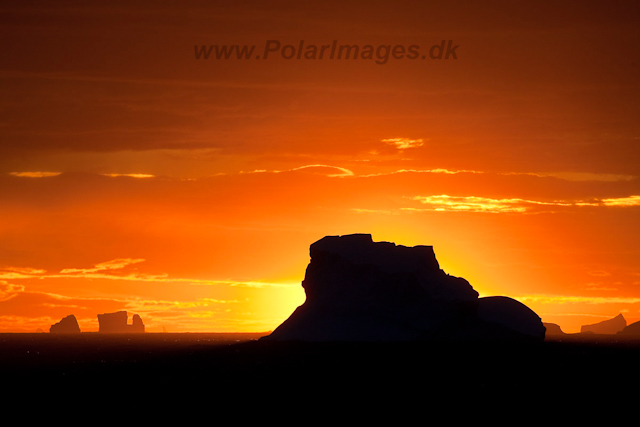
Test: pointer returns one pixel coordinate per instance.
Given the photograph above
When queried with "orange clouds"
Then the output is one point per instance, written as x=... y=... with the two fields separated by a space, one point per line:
x=34 y=174
x=116 y=264
x=471 y=204
x=9 y=290
x=404 y=143
x=342 y=172
x=228 y=252
x=484 y=204
x=131 y=175
x=622 y=201
x=23 y=304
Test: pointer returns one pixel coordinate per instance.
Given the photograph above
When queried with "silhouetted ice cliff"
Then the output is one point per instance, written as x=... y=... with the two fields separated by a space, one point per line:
x=117 y=323
x=67 y=325
x=360 y=290
x=610 y=326
x=553 y=329
x=631 y=330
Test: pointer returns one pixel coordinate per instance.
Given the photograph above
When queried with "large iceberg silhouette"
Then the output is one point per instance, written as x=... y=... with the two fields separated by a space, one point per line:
x=361 y=290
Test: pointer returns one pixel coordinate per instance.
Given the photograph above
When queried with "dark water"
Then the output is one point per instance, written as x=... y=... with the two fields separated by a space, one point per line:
x=108 y=356
x=198 y=369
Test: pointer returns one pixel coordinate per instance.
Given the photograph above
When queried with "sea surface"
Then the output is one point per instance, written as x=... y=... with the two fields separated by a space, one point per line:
x=202 y=368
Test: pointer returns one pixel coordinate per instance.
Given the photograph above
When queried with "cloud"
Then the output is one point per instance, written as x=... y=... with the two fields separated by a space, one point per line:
x=436 y=171
x=24 y=309
x=168 y=305
x=472 y=204
x=565 y=176
x=15 y=275
x=404 y=143
x=130 y=175
x=97 y=272
x=557 y=299
x=598 y=287
x=9 y=290
x=622 y=201
x=34 y=174
x=344 y=172
x=445 y=203
x=25 y=270
x=10 y=273
x=115 y=264
x=586 y=176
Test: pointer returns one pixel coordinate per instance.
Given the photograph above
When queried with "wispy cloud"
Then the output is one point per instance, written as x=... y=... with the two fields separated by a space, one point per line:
x=435 y=171
x=9 y=290
x=116 y=264
x=343 y=172
x=598 y=287
x=566 y=176
x=401 y=143
x=108 y=271
x=445 y=203
x=404 y=143
x=24 y=270
x=582 y=176
x=622 y=201
x=24 y=307
x=50 y=174
x=164 y=305
x=130 y=175
x=10 y=275
x=474 y=203
x=558 y=299
x=34 y=174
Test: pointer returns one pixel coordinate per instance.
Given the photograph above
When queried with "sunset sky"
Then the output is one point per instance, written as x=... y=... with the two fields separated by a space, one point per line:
x=134 y=176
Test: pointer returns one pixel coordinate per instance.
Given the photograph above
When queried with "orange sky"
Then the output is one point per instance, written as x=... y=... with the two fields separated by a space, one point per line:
x=136 y=177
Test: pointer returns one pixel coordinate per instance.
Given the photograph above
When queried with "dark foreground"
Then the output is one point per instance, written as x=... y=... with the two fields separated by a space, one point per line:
x=174 y=369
